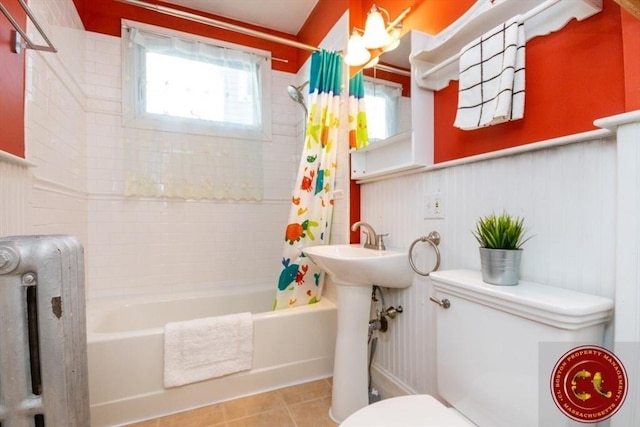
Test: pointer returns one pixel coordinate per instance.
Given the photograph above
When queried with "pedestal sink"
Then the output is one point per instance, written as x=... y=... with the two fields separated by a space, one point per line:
x=355 y=270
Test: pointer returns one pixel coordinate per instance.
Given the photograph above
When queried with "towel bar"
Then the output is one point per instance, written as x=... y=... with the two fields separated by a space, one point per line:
x=21 y=34
x=533 y=12
x=436 y=64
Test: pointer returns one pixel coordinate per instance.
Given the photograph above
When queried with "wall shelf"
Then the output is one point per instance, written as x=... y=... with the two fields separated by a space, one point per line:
x=409 y=150
x=437 y=63
x=385 y=157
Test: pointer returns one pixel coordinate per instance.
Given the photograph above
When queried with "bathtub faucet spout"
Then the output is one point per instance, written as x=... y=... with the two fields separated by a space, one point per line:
x=373 y=240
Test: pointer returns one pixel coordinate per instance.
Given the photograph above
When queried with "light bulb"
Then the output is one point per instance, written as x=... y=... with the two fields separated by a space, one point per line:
x=375 y=33
x=357 y=53
x=395 y=39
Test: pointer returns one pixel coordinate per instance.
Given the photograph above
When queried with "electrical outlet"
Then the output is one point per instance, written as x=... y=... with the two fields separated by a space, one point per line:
x=434 y=206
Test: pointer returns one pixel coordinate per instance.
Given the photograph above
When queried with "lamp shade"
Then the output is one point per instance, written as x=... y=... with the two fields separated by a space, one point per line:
x=375 y=32
x=372 y=63
x=395 y=39
x=357 y=53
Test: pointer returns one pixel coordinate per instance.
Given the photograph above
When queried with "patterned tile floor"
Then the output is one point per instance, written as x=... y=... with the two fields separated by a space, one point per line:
x=304 y=405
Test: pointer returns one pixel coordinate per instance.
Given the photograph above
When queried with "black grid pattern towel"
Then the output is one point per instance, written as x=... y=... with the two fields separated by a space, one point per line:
x=492 y=77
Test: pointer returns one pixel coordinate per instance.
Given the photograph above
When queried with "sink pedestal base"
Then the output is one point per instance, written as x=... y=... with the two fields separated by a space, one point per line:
x=350 y=378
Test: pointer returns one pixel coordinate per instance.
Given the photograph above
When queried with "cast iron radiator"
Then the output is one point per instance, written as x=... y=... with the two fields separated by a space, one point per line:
x=43 y=347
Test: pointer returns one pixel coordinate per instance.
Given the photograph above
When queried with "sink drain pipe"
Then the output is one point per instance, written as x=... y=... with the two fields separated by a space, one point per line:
x=379 y=323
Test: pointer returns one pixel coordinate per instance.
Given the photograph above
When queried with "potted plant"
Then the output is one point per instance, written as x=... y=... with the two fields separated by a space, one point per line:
x=500 y=238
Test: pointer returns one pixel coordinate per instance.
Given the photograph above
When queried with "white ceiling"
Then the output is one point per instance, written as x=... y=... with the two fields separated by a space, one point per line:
x=282 y=15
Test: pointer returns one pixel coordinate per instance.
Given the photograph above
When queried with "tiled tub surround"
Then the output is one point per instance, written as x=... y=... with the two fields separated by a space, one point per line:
x=125 y=349
x=76 y=140
x=137 y=243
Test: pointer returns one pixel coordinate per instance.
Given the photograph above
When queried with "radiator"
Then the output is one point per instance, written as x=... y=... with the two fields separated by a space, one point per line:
x=43 y=347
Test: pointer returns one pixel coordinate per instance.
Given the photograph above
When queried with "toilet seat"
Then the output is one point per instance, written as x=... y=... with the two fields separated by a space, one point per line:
x=420 y=410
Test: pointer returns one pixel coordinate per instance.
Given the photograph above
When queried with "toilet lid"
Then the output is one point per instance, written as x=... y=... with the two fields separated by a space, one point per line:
x=419 y=410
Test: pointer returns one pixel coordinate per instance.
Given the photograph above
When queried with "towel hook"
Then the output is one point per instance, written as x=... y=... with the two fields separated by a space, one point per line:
x=19 y=35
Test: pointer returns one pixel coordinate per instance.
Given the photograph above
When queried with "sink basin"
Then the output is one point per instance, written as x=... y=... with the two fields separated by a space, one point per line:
x=356 y=266
x=355 y=270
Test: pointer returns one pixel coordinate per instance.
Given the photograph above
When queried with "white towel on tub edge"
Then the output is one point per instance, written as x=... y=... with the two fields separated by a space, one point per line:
x=201 y=349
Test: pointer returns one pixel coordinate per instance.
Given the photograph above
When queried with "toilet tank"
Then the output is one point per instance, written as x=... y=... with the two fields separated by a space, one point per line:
x=496 y=345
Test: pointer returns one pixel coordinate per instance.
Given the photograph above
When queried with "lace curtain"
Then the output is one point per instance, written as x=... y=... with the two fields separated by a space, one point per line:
x=191 y=166
x=199 y=157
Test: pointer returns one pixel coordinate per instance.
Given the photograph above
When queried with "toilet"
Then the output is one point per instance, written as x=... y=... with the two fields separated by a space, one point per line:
x=488 y=340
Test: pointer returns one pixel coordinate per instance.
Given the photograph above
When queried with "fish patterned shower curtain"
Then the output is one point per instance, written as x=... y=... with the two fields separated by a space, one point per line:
x=358 y=133
x=300 y=281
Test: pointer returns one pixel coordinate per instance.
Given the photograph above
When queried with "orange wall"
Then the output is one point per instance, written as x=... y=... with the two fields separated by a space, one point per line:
x=103 y=16
x=586 y=71
x=572 y=78
x=631 y=49
x=11 y=85
x=320 y=21
x=567 y=87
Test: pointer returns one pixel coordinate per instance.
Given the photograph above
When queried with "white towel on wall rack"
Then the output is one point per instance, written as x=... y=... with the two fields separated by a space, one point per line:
x=200 y=349
x=492 y=77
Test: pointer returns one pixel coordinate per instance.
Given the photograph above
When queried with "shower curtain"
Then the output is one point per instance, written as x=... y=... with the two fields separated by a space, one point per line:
x=358 y=132
x=300 y=281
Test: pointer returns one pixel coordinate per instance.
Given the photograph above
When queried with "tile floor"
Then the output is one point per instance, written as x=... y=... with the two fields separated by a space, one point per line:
x=304 y=405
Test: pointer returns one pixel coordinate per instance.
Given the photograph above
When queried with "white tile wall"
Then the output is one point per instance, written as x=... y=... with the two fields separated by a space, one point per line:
x=75 y=137
x=567 y=196
x=61 y=13
x=144 y=244
x=55 y=124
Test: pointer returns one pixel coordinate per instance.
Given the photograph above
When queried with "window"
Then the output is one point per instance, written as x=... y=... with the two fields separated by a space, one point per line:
x=191 y=85
x=195 y=114
x=381 y=100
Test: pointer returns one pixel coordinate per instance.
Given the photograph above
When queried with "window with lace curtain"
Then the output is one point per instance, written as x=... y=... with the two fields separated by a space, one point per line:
x=195 y=113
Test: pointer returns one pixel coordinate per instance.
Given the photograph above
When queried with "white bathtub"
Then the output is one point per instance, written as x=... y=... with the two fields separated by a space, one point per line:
x=125 y=351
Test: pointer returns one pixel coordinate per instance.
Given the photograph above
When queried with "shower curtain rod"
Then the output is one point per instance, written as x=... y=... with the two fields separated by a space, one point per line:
x=126 y=26
x=219 y=24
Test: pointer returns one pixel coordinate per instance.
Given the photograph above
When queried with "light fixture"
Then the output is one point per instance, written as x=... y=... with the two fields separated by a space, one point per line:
x=374 y=61
x=357 y=53
x=395 y=38
x=376 y=36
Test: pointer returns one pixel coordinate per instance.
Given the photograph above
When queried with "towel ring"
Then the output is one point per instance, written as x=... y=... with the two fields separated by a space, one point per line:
x=434 y=240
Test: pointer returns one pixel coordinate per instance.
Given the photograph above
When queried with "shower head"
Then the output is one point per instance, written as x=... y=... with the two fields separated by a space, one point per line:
x=295 y=92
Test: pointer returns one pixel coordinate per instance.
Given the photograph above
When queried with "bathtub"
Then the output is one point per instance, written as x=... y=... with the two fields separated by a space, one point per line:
x=125 y=350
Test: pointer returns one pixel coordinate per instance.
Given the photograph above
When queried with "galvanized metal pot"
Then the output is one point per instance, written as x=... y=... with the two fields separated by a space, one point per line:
x=500 y=266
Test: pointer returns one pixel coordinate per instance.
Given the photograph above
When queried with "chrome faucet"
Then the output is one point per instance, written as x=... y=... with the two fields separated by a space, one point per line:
x=373 y=241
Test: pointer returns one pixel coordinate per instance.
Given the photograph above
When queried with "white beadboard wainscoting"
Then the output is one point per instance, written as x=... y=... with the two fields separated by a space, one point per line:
x=569 y=192
x=15 y=181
